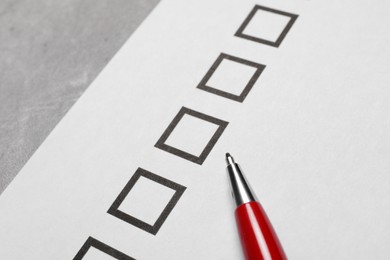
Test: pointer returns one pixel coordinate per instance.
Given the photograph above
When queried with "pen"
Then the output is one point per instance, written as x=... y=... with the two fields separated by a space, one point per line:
x=258 y=238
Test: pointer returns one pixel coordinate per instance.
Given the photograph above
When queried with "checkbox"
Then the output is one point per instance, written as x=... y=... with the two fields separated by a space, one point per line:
x=231 y=77
x=191 y=135
x=146 y=201
x=266 y=25
x=93 y=249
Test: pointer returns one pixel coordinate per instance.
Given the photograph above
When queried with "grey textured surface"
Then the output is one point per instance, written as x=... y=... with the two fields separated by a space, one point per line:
x=50 y=52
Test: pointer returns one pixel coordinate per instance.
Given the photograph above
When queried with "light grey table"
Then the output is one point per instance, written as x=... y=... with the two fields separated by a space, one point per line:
x=50 y=51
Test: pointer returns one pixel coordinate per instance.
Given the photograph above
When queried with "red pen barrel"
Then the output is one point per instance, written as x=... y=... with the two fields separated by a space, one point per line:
x=258 y=238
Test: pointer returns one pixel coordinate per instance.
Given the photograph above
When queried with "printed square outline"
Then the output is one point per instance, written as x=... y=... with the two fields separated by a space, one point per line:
x=240 y=31
x=203 y=83
x=195 y=159
x=152 y=229
x=92 y=242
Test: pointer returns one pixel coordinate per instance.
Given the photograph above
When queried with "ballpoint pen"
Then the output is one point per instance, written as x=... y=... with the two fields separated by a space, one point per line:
x=258 y=238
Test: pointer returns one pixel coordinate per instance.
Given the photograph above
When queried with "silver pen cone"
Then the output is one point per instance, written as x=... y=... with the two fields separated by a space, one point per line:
x=241 y=190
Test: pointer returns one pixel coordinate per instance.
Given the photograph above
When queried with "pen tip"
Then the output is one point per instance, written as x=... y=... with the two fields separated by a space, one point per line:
x=229 y=159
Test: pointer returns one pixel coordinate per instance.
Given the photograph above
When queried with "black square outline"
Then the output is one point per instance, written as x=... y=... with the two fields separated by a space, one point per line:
x=152 y=229
x=259 y=69
x=92 y=242
x=240 y=31
x=195 y=159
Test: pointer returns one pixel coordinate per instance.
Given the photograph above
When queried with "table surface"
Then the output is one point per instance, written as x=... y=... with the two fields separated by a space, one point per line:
x=50 y=52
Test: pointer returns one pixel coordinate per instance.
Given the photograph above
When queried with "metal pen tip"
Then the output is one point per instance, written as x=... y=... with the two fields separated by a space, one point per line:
x=229 y=159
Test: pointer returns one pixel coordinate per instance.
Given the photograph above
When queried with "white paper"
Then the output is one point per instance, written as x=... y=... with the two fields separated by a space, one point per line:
x=312 y=135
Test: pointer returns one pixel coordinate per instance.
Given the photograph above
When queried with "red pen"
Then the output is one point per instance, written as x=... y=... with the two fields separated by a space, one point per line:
x=258 y=238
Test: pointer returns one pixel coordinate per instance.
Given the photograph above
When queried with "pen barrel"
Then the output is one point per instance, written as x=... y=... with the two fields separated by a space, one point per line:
x=258 y=238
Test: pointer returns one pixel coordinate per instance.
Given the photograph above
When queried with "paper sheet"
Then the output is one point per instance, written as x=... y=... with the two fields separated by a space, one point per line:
x=311 y=130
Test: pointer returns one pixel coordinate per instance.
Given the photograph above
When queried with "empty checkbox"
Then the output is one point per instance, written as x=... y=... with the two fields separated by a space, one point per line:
x=191 y=135
x=266 y=25
x=93 y=249
x=231 y=77
x=146 y=200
